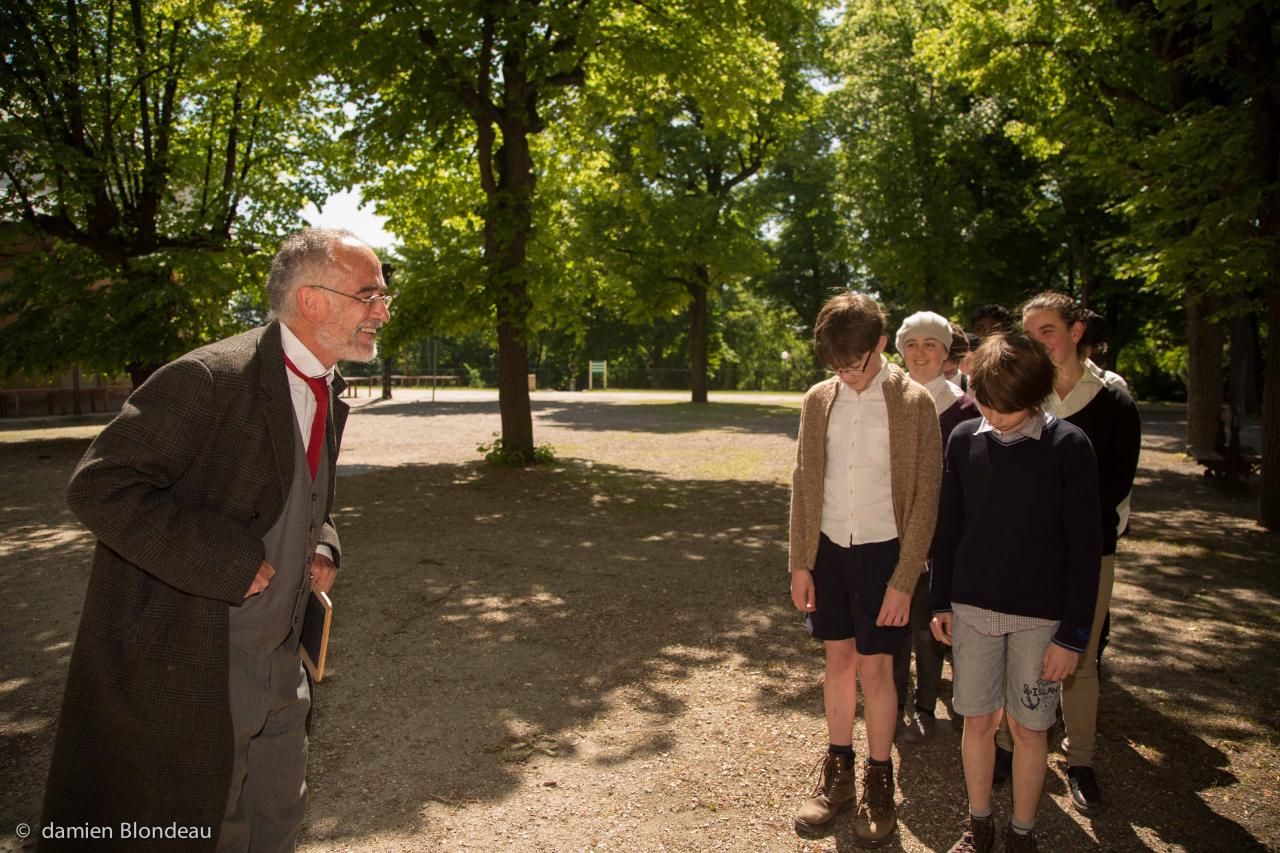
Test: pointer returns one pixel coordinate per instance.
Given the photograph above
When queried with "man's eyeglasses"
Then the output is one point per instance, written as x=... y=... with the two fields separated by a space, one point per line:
x=855 y=370
x=384 y=298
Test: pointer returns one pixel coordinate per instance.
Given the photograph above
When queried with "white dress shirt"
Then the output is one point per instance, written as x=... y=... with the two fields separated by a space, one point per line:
x=944 y=391
x=304 y=399
x=857 y=492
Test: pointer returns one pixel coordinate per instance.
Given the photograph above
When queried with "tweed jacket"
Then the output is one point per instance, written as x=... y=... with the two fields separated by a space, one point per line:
x=179 y=490
x=915 y=473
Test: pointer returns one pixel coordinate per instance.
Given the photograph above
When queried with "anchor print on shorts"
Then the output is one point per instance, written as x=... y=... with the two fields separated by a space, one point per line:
x=1033 y=696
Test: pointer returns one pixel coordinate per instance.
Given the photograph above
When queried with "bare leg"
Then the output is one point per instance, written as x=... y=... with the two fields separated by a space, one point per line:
x=840 y=690
x=876 y=672
x=978 y=750
x=1030 y=755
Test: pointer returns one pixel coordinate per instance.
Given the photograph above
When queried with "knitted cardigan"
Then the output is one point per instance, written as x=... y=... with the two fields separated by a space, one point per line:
x=915 y=473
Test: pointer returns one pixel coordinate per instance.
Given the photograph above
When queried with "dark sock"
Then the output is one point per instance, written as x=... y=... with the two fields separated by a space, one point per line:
x=886 y=763
x=845 y=753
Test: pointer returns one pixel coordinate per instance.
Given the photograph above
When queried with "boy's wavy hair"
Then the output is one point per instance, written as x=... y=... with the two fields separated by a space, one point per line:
x=1011 y=372
x=849 y=326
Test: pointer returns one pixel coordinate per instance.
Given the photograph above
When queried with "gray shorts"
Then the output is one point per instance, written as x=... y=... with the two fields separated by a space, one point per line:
x=1003 y=672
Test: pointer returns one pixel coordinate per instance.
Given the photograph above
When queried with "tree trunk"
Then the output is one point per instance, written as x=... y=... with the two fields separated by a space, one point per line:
x=388 y=365
x=1242 y=352
x=698 y=338
x=508 y=228
x=1269 y=499
x=1204 y=370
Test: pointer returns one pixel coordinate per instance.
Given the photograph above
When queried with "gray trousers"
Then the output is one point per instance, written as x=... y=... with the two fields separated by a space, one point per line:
x=928 y=653
x=270 y=699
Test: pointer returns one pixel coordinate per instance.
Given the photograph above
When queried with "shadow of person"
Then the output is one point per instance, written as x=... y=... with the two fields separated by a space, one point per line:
x=1156 y=772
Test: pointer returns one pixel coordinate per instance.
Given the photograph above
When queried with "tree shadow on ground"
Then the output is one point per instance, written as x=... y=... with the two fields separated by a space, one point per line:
x=484 y=615
x=670 y=417
x=531 y=603
x=659 y=416
x=44 y=569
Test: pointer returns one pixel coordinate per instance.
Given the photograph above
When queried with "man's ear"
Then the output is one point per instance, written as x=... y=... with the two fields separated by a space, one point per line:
x=884 y=342
x=309 y=303
x=1077 y=331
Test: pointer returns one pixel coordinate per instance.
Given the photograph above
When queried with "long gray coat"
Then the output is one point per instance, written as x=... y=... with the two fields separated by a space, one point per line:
x=179 y=489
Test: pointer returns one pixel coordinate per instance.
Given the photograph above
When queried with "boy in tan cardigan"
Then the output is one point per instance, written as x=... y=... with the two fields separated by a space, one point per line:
x=864 y=498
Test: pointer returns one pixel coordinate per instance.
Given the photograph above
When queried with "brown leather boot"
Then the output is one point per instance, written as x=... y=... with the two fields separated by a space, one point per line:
x=979 y=836
x=877 y=819
x=1015 y=843
x=834 y=791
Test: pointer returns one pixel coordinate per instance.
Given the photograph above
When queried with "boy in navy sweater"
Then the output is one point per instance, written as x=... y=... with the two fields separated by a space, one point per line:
x=1015 y=574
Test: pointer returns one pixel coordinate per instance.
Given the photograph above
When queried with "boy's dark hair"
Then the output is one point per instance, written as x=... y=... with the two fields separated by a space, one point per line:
x=960 y=344
x=849 y=326
x=1068 y=309
x=1011 y=373
x=1095 y=331
x=998 y=313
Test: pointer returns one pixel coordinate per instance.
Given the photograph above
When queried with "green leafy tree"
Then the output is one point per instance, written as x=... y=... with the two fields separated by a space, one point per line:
x=1173 y=109
x=676 y=217
x=148 y=151
x=943 y=203
x=809 y=232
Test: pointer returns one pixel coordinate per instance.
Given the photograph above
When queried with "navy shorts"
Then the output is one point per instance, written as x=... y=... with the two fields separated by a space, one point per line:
x=849 y=585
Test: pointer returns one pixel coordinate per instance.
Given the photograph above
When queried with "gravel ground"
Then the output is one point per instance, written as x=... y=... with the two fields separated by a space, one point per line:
x=600 y=654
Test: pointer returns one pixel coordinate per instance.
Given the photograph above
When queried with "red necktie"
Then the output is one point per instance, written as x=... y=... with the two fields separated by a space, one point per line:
x=320 y=387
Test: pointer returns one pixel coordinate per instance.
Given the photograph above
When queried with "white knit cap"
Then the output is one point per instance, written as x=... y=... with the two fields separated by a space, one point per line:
x=924 y=324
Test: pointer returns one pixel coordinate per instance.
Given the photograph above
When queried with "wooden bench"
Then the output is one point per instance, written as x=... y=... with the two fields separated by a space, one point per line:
x=56 y=401
x=1217 y=464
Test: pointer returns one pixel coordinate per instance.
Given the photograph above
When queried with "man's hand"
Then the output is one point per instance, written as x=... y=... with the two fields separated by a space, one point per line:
x=323 y=571
x=261 y=579
x=802 y=590
x=1059 y=662
x=896 y=609
x=941 y=627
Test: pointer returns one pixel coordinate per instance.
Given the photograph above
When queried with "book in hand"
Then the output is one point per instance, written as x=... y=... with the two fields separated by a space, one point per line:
x=315 y=634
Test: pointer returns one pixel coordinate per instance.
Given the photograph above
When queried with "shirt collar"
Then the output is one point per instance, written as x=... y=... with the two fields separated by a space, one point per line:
x=944 y=391
x=1087 y=377
x=302 y=358
x=1033 y=427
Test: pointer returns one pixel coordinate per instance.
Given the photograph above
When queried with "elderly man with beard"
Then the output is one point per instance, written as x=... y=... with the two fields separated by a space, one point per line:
x=183 y=721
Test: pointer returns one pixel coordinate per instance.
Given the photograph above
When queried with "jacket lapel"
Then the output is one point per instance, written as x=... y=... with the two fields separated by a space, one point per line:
x=277 y=404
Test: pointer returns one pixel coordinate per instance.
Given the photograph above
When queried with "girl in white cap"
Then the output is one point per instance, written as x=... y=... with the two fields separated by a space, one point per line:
x=924 y=340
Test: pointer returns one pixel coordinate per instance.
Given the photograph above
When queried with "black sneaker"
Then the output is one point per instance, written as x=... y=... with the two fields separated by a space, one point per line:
x=1085 y=794
x=1004 y=766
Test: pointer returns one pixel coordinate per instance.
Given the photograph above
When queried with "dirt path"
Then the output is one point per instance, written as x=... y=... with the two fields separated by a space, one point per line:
x=600 y=655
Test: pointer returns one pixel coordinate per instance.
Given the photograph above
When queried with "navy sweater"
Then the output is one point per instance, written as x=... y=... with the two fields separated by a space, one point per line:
x=1018 y=528
x=1114 y=427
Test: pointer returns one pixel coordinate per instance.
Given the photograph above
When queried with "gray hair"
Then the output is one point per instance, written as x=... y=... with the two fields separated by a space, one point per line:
x=302 y=254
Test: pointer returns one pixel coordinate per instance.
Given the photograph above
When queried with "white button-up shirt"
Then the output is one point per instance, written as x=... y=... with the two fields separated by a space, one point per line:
x=857 y=493
x=304 y=399
x=945 y=392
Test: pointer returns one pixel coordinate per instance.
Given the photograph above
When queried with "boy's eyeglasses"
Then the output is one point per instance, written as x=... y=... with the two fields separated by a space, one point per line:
x=855 y=370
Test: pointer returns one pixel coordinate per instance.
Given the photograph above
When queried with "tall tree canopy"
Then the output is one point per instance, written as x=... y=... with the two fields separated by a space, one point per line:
x=1173 y=111
x=140 y=142
x=453 y=103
